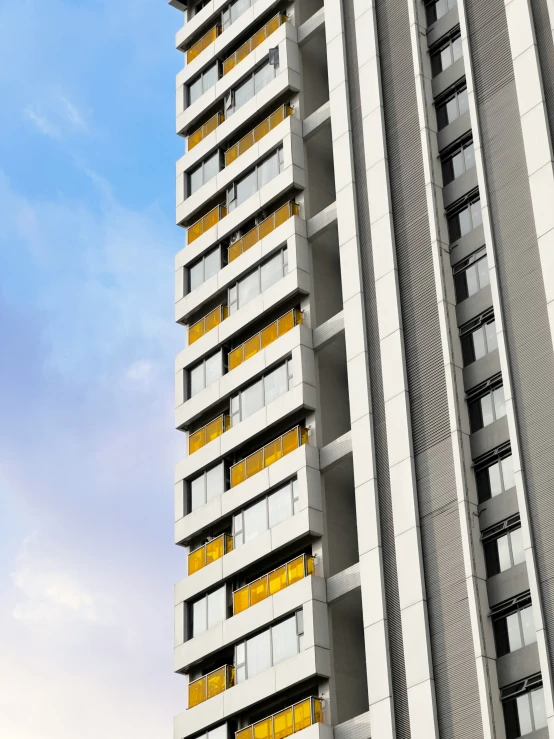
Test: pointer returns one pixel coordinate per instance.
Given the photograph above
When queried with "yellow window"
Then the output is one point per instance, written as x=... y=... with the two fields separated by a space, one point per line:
x=318 y=711
x=210 y=219
x=229 y=63
x=196 y=331
x=267 y=226
x=251 y=347
x=258 y=38
x=276 y=118
x=310 y=566
x=194 y=232
x=240 y=600
x=235 y=357
x=246 y=142
x=254 y=463
x=278 y=579
x=263 y=729
x=214 y=550
x=197 y=441
x=290 y=441
x=258 y=590
x=285 y=323
x=302 y=715
x=295 y=570
x=235 y=250
x=261 y=130
x=216 y=682
x=273 y=452
x=250 y=238
x=231 y=154
x=197 y=692
x=197 y=560
x=193 y=139
x=212 y=319
x=269 y=334
x=238 y=473
x=244 y=733
x=282 y=724
x=214 y=429
x=281 y=215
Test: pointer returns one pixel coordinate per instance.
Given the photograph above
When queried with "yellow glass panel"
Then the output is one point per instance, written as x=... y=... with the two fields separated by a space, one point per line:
x=269 y=334
x=196 y=441
x=295 y=210
x=228 y=543
x=250 y=238
x=295 y=570
x=214 y=550
x=231 y=154
x=238 y=473
x=235 y=358
x=310 y=565
x=244 y=733
x=302 y=715
x=278 y=580
x=303 y=436
x=196 y=331
x=285 y=323
x=246 y=142
x=243 y=51
x=273 y=452
x=258 y=38
x=216 y=682
x=261 y=130
x=282 y=724
x=197 y=560
x=267 y=226
x=210 y=219
x=251 y=347
x=214 y=429
x=298 y=317
x=194 y=232
x=290 y=441
x=318 y=710
x=276 y=118
x=263 y=729
x=254 y=463
x=235 y=250
x=258 y=590
x=272 y=25
x=197 y=692
x=212 y=124
x=229 y=63
x=282 y=214
x=212 y=319
x=194 y=138
x=240 y=600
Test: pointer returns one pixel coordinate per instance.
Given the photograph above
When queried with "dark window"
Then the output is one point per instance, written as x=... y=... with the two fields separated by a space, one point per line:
x=457 y=162
x=446 y=55
x=487 y=408
x=479 y=338
x=451 y=108
x=515 y=629
x=524 y=714
x=465 y=220
x=495 y=478
x=436 y=10
x=504 y=551
x=471 y=275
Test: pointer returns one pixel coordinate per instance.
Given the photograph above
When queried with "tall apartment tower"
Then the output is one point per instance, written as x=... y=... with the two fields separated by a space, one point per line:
x=366 y=393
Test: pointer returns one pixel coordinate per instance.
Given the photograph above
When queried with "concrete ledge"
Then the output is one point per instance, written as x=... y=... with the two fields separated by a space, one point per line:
x=479 y=371
x=498 y=509
x=343 y=582
x=474 y=305
x=454 y=131
x=507 y=584
x=518 y=665
x=444 y=80
x=358 y=727
x=328 y=330
x=459 y=187
x=335 y=451
x=443 y=26
x=311 y=26
x=322 y=220
x=487 y=439
x=319 y=118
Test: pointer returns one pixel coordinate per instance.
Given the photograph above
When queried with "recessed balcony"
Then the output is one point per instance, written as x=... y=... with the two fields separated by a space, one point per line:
x=205 y=223
x=268 y=225
x=284 y=723
x=203 y=43
x=268 y=455
x=257 y=133
x=211 y=320
x=211 y=684
x=263 y=338
x=209 y=552
x=253 y=42
x=201 y=133
x=209 y=432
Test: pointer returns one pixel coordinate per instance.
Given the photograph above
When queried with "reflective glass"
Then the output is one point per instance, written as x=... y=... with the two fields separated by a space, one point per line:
x=528 y=625
x=244 y=92
x=516 y=540
x=199 y=617
x=469 y=154
x=263 y=76
x=465 y=221
x=255 y=520
x=271 y=271
x=457 y=49
x=220 y=732
x=249 y=288
x=214 y=482
x=284 y=640
x=524 y=714
x=494 y=479
x=490 y=330
x=280 y=506
x=267 y=170
x=251 y=400
x=499 y=403
x=196 y=275
x=446 y=57
x=483 y=268
x=457 y=165
x=196 y=180
x=196 y=379
x=246 y=187
x=195 y=90
x=209 y=78
x=441 y=8
x=217 y=606
x=514 y=632
x=212 y=264
x=451 y=110
x=476 y=217
x=197 y=493
x=211 y=167
x=214 y=368
x=503 y=548
x=258 y=653
x=462 y=102
x=508 y=473
x=539 y=709
x=238 y=8
x=275 y=384
x=486 y=410
x=479 y=347
x=472 y=280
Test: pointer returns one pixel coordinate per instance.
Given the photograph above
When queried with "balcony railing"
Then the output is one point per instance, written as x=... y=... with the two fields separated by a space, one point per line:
x=208 y=553
x=208 y=433
x=205 y=223
x=269 y=454
x=211 y=684
x=201 y=133
x=213 y=319
x=287 y=722
x=271 y=583
x=253 y=136
x=203 y=43
x=253 y=42
x=264 y=229
x=265 y=337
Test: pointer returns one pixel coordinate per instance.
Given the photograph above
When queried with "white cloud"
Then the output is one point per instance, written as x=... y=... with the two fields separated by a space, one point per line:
x=71 y=112
x=42 y=123
x=56 y=116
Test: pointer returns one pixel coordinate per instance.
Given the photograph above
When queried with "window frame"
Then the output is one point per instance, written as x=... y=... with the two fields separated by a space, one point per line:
x=517 y=606
x=230 y=99
x=202 y=364
x=442 y=103
x=433 y=4
x=202 y=261
x=233 y=291
x=448 y=156
x=231 y=192
x=447 y=43
x=453 y=217
x=468 y=331
x=477 y=395
x=204 y=475
x=217 y=65
x=205 y=598
x=287 y=364
x=463 y=266
x=510 y=696
x=294 y=498
x=202 y=166
x=490 y=537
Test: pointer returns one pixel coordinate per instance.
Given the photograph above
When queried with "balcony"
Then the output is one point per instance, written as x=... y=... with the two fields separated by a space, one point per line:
x=203 y=43
x=209 y=552
x=287 y=722
x=208 y=433
x=201 y=133
x=213 y=319
x=265 y=337
x=211 y=684
x=269 y=584
x=269 y=454
x=258 y=38
x=264 y=229
x=261 y=130
x=205 y=223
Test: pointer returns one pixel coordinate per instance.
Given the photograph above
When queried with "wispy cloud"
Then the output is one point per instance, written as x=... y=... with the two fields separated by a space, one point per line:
x=56 y=117
x=42 y=123
x=71 y=112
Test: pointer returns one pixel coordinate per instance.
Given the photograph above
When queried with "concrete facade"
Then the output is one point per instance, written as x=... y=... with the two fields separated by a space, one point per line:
x=366 y=388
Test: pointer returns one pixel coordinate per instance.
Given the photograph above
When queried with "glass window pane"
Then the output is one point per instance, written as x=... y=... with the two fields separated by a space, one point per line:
x=212 y=264
x=501 y=637
x=514 y=633
x=246 y=187
x=255 y=520
x=446 y=57
x=196 y=275
x=249 y=288
x=490 y=329
x=211 y=167
x=518 y=553
x=469 y=154
x=472 y=280
x=251 y=400
x=476 y=217
x=258 y=653
x=195 y=90
x=483 y=269
x=209 y=78
x=275 y=384
x=457 y=48
x=458 y=164
x=272 y=271
x=465 y=221
x=284 y=640
x=220 y=732
x=267 y=170
x=263 y=76
x=503 y=549
x=451 y=110
x=479 y=347
x=528 y=625
x=494 y=479
x=462 y=102
x=441 y=8
x=197 y=494
x=195 y=180
x=524 y=714
x=196 y=379
x=539 y=709
x=217 y=606
x=244 y=92
x=499 y=403
x=280 y=506
x=238 y=8
x=214 y=482
x=508 y=473
x=214 y=368
x=486 y=410
x=199 y=617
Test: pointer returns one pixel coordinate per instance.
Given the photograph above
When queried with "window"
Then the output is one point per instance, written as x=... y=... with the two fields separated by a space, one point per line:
x=487 y=409
x=207 y=486
x=505 y=551
x=261 y=393
x=524 y=713
x=256 y=282
x=201 y=84
x=205 y=268
x=446 y=55
x=437 y=9
x=514 y=630
x=266 y=513
x=460 y=160
x=204 y=172
x=234 y=11
x=471 y=275
x=268 y=648
x=452 y=108
x=208 y=371
x=209 y=611
x=494 y=479
x=250 y=87
x=465 y=220
x=479 y=338
x=255 y=179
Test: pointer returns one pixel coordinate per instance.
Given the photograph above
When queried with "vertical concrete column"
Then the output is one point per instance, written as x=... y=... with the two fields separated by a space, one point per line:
x=491 y=709
x=411 y=584
x=367 y=511
x=511 y=415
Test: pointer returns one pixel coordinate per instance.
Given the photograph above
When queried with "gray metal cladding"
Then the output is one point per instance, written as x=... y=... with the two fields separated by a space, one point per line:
x=528 y=339
x=396 y=647
x=545 y=45
x=453 y=657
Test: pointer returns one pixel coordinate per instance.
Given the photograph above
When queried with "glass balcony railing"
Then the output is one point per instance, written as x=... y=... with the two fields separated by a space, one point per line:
x=265 y=337
x=208 y=553
x=205 y=223
x=213 y=319
x=203 y=43
x=287 y=722
x=201 y=133
x=211 y=684
x=253 y=136
x=269 y=584
x=264 y=229
x=253 y=42
x=208 y=433
x=269 y=454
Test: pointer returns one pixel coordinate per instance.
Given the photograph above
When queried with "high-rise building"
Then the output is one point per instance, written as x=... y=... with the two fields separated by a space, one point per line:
x=366 y=393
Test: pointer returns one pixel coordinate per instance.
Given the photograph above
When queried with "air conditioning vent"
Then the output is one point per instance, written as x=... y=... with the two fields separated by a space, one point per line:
x=236 y=236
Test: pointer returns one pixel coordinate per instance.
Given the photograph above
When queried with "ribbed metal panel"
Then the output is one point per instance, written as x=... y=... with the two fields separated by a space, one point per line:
x=521 y=285
x=358 y=727
x=396 y=647
x=456 y=687
x=545 y=46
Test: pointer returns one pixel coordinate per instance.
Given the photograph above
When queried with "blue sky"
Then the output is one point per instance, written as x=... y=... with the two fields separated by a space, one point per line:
x=87 y=242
